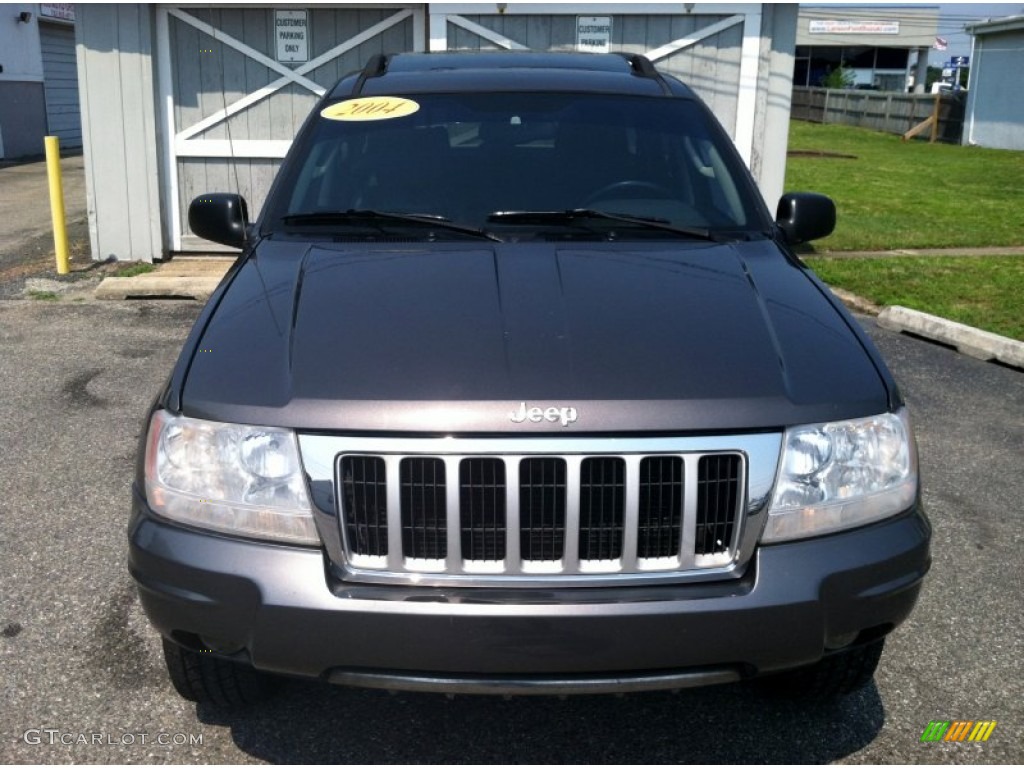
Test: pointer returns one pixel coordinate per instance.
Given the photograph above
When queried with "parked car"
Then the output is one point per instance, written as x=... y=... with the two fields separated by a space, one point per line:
x=517 y=387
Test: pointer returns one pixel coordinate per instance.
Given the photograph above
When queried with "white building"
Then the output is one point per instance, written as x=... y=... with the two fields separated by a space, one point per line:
x=38 y=78
x=885 y=47
x=994 y=114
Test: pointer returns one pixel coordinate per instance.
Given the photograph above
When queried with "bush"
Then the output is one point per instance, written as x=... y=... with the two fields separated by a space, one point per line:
x=840 y=77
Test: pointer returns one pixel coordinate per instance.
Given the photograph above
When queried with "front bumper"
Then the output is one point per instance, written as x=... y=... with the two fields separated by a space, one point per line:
x=281 y=609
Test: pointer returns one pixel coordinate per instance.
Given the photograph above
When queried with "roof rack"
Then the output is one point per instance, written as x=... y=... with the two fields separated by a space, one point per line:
x=641 y=66
x=375 y=67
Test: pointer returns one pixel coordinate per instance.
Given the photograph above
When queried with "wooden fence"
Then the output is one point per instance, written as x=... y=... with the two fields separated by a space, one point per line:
x=890 y=112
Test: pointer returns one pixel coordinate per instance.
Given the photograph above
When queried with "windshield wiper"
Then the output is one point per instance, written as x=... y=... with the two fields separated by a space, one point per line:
x=575 y=215
x=375 y=218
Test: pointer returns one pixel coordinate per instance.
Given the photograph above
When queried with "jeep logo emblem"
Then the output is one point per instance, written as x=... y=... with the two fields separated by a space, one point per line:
x=536 y=415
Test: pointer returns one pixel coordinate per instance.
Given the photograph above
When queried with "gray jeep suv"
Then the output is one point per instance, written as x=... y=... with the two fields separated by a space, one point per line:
x=518 y=387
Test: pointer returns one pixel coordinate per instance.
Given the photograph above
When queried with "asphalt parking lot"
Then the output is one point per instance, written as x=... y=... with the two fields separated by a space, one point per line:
x=78 y=662
x=26 y=229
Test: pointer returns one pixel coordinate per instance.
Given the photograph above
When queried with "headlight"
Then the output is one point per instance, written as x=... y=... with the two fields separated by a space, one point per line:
x=842 y=474
x=228 y=477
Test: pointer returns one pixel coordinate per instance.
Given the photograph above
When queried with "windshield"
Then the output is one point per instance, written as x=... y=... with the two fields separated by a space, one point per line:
x=468 y=157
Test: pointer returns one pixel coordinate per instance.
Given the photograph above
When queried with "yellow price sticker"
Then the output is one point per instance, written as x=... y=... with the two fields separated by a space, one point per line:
x=370 y=108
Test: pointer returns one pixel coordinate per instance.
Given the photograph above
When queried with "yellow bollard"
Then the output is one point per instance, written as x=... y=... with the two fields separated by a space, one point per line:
x=60 y=231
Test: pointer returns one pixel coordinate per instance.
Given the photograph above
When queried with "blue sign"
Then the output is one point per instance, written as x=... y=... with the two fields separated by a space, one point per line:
x=959 y=61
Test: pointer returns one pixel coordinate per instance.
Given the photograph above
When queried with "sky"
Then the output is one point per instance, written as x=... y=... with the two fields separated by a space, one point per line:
x=953 y=16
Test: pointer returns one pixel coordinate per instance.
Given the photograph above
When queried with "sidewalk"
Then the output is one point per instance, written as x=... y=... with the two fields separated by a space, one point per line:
x=1012 y=250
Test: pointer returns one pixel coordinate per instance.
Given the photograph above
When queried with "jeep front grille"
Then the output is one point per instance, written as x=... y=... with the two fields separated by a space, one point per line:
x=541 y=510
x=718 y=480
x=523 y=515
x=602 y=507
x=661 y=506
x=365 y=496
x=482 y=508
x=424 y=508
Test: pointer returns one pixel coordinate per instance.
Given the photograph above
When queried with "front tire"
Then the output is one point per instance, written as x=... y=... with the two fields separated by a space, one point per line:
x=836 y=675
x=202 y=677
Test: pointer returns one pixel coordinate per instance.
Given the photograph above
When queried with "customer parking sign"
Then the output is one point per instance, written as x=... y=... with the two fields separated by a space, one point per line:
x=594 y=34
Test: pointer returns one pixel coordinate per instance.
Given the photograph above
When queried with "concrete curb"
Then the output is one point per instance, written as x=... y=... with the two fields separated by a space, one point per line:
x=182 y=278
x=855 y=302
x=157 y=286
x=973 y=342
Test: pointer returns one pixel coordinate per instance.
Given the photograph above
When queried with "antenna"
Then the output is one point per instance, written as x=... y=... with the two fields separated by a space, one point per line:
x=227 y=117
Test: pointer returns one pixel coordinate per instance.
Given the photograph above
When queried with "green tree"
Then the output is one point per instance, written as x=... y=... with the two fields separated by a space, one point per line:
x=840 y=77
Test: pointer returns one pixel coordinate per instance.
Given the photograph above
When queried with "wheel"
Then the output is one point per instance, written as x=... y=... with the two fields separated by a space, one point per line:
x=203 y=677
x=615 y=189
x=835 y=675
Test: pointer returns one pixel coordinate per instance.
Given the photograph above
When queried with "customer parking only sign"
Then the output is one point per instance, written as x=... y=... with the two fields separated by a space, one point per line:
x=292 y=32
x=594 y=34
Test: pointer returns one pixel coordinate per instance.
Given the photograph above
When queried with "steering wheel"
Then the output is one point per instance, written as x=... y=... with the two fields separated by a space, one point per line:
x=636 y=189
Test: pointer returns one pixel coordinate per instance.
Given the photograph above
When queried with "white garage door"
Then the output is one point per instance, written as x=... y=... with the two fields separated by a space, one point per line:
x=233 y=108
x=60 y=73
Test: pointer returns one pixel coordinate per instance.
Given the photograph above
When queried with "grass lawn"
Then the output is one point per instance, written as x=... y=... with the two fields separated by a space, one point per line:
x=913 y=194
x=986 y=292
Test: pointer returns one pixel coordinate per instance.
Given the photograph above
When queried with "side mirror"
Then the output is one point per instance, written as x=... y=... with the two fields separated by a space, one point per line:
x=219 y=217
x=805 y=216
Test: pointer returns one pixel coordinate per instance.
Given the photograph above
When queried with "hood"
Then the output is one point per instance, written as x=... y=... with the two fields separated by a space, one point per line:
x=439 y=338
